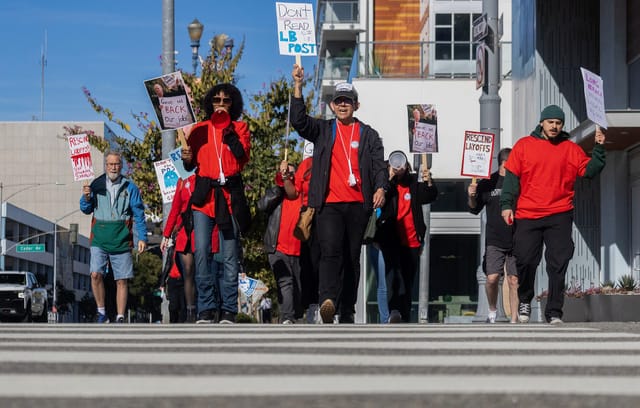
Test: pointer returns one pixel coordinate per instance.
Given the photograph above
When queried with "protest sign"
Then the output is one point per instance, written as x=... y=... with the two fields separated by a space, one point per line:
x=80 y=157
x=170 y=101
x=423 y=128
x=594 y=98
x=296 y=29
x=176 y=157
x=167 y=179
x=477 y=155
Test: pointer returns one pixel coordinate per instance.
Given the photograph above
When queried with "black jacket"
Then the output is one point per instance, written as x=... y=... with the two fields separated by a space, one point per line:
x=271 y=205
x=421 y=193
x=321 y=133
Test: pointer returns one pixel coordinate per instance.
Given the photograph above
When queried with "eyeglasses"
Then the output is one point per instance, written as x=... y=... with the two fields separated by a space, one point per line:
x=342 y=99
x=218 y=100
x=114 y=164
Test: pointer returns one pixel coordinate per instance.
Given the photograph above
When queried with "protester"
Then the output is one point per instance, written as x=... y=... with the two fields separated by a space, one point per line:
x=282 y=248
x=309 y=250
x=401 y=231
x=538 y=192
x=219 y=147
x=117 y=207
x=498 y=253
x=347 y=181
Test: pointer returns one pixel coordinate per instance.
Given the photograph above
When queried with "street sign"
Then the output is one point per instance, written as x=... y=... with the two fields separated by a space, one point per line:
x=30 y=248
x=480 y=28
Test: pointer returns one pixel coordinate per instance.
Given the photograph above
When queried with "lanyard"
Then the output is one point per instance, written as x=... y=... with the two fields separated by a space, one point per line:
x=344 y=149
x=221 y=178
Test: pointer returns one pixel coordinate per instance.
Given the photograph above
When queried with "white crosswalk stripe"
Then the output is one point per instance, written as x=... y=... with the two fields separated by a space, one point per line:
x=411 y=363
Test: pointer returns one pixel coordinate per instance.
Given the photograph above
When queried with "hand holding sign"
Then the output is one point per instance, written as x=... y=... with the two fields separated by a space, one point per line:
x=599 y=137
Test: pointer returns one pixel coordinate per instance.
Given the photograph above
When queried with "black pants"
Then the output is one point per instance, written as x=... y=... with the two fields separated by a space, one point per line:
x=401 y=264
x=555 y=232
x=177 y=304
x=309 y=258
x=340 y=228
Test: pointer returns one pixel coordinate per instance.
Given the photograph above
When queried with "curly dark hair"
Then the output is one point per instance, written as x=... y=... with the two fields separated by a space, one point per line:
x=237 y=105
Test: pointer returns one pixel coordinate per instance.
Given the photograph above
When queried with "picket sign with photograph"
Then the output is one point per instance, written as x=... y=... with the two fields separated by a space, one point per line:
x=80 y=157
x=477 y=154
x=594 y=98
x=167 y=179
x=170 y=101
x=423 y=128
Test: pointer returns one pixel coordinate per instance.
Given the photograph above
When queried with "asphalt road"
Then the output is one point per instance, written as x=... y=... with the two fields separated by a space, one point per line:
x=471 y=365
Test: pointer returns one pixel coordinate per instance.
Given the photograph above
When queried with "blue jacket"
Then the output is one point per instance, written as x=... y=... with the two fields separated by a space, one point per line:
x=111 y=225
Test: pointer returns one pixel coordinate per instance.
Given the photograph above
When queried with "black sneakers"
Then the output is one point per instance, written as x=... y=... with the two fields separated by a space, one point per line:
x=206 y=316
x=227 y=317
x=524 y=311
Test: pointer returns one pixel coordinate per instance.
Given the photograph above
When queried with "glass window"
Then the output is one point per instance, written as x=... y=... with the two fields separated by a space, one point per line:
x=462 y=27
x=452 y=196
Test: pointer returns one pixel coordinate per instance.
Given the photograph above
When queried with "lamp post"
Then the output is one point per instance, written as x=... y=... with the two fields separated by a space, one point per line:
x=195 y=33
x=54 y=309
x=3 y=208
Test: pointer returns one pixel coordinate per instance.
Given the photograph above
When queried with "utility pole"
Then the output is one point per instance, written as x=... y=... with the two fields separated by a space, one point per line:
x=487 y=30
x=168 y=66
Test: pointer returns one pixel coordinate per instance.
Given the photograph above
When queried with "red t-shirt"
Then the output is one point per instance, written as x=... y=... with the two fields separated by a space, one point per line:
x=209 y=151
x=547 y=174
x=287 y=243
x=302 y=178
x=345 y=151
x=405 y=225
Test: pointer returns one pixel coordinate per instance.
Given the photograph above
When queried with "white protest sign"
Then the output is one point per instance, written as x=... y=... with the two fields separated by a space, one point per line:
x=296 y=29
x=477 y=154
x=167 y=179
x=594 y=97
x=175 y=111
x=424 y=139
x=81 y=157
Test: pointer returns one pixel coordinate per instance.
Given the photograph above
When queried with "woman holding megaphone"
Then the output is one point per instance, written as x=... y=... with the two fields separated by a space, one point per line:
x=219 y=149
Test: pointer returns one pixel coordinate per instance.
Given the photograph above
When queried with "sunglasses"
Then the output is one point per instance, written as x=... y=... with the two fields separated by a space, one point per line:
x=218 y=100
x=342 y=99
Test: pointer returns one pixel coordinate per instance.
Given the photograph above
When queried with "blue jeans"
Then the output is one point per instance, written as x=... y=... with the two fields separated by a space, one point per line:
x=377 y=264
x=216 y=282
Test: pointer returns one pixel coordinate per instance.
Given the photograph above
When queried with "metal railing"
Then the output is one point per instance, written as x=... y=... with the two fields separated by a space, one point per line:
x=407 y=59
x=338 y=12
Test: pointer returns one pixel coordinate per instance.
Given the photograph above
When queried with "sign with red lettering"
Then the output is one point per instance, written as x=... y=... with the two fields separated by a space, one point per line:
x=171 y=100
x=80 y=157
x=477 y=155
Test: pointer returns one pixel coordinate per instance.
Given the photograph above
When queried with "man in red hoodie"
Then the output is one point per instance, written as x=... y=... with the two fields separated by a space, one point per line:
x=541 y=173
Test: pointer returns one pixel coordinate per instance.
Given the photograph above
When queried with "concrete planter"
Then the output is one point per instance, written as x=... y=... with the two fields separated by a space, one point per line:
x=600 y=308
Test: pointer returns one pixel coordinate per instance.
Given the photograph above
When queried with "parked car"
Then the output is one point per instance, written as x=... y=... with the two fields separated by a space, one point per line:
x=22 y=297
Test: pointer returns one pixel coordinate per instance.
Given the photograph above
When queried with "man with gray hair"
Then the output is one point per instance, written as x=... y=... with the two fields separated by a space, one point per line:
x=117 y=207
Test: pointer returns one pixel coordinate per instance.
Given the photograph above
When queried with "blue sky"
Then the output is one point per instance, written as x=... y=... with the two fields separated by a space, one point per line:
x=111 y=47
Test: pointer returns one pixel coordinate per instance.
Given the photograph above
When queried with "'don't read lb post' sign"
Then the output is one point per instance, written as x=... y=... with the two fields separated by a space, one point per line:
x=296 y=29
x=477 y=154
x=80 y=157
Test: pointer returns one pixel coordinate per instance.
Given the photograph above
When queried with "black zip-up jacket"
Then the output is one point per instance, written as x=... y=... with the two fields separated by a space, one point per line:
x=321 y=132
x=421 y=193
x=271 y=205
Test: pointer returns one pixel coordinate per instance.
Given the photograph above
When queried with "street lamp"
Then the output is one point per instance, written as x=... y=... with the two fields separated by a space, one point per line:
x=195 y=33
x=54 y=309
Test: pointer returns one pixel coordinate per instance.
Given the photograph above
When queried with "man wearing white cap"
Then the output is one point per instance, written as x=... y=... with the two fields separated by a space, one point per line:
x=348 y=180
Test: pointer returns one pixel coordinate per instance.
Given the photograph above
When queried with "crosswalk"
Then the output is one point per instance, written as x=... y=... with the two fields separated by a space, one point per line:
x=358 y=365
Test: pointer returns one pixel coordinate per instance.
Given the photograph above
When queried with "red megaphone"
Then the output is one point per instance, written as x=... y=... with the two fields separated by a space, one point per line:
x=220 y=119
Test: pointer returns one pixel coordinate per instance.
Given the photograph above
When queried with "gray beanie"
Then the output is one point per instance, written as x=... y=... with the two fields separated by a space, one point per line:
x=552 y=112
